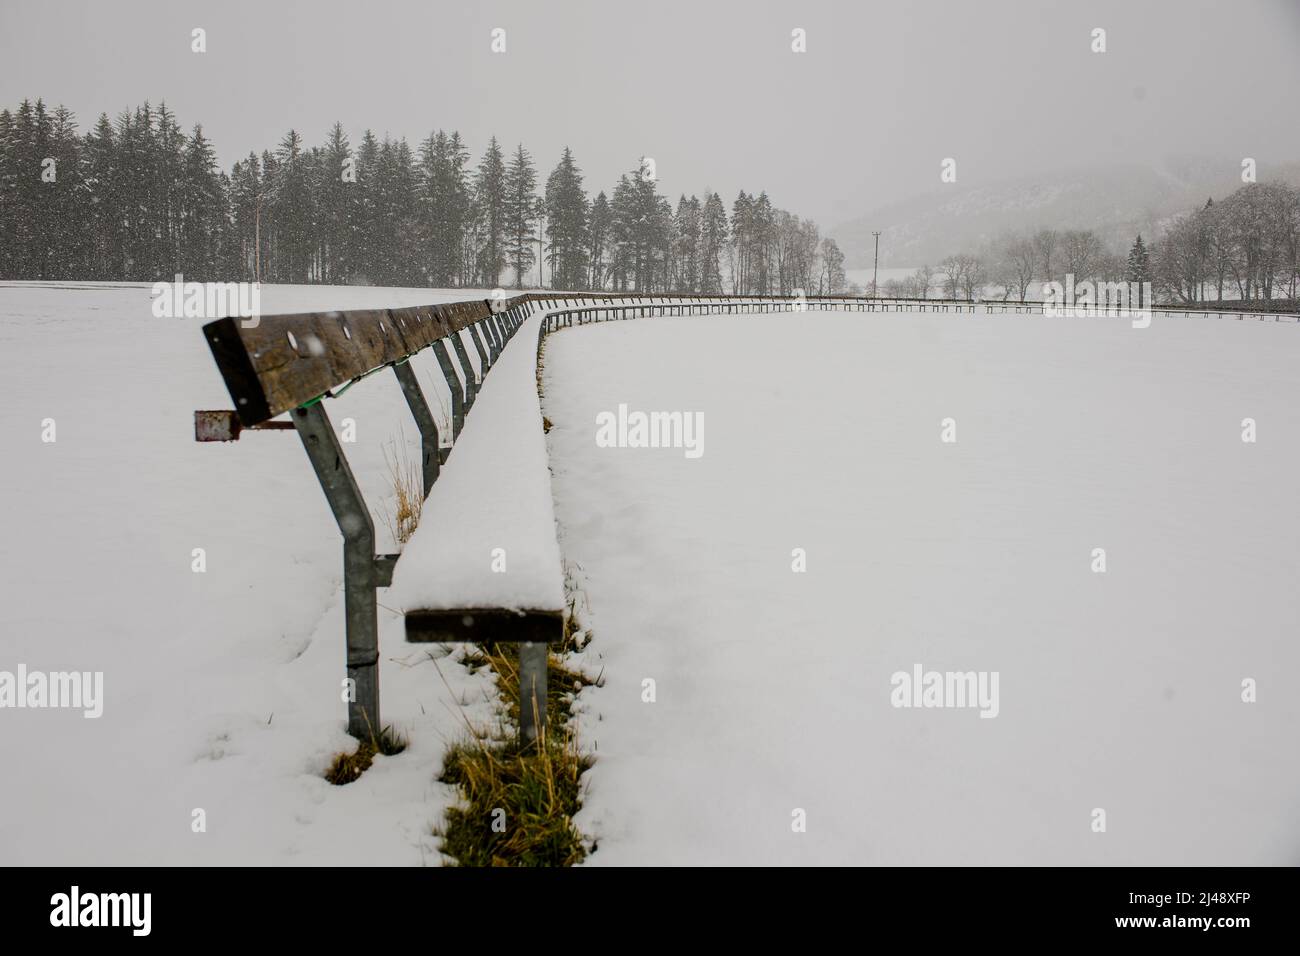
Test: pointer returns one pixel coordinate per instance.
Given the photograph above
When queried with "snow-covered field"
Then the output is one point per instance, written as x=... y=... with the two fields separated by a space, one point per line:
x=222 y=689
x=1119 y=691
x=772 y=688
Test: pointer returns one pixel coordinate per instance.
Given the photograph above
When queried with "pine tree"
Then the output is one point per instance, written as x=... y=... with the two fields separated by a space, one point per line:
x=8 y=194
x=1139 y=267
x=338 y=205
x=202 y=213
x=446 y=203
x=521 y=213
x=622 y=226
x=229 y=263
x=245 y=197
x=742 y=244
x=384 y=221
x=713 y=239
x=32 y=201
x=104 y=255
x=138 y=199
x=290 y=203
x=167 y=185
x=566 y=225
x=640 y=221
x=490 y=206
x=132 y=187
x=366 y=229
x=665 y=245
x=764 y=227
x=67 y=201
x=599 y=224
x=459 y=208
x=404 y=264
x=687 y=253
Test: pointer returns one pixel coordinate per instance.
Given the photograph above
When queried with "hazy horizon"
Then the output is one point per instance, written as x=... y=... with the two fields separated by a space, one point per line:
x=860 y=120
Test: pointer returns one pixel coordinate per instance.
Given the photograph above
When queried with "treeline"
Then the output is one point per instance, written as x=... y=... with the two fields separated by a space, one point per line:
x=139 y=199
x=1245 y=247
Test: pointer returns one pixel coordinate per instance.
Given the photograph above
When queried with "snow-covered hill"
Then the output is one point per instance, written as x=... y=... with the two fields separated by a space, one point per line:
x=1116 y=202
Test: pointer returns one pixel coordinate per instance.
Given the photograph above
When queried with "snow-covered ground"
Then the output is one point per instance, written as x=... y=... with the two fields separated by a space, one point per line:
x=222 y=689
x=863 y=277
x=1119 y=691
x=494 y=501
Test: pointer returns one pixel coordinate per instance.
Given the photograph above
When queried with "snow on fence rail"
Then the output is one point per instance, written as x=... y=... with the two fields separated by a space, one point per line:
x=290 y=363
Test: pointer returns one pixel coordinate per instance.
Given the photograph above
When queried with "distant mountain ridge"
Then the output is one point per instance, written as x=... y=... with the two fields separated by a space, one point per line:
x=1116 y=201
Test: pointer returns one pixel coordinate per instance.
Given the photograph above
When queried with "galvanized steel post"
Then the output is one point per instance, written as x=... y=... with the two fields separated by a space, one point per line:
x=360 y=574
x=429 y=445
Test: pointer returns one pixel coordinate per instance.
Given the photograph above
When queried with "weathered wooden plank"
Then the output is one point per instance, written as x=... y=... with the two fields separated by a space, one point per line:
x=286 y=360
x=484 y=626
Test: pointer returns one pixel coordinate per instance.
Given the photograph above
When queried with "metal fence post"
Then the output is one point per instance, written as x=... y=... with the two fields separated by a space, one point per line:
x=471 y=379
x=360 y=576
x=532 y=690
x=493 y=334
x=484 y=362
x=423 y=420
x=454 y=386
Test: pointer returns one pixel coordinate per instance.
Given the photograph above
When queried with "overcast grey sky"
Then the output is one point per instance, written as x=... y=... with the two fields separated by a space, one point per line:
x=711 y=90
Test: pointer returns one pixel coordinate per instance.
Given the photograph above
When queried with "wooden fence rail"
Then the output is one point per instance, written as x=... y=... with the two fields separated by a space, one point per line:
x=289 y=363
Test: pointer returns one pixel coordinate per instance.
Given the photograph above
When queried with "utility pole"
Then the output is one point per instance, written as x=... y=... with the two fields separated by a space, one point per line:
x=875 y=272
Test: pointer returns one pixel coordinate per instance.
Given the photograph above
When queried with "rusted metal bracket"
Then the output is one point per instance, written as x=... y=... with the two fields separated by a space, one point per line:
x=221 y=425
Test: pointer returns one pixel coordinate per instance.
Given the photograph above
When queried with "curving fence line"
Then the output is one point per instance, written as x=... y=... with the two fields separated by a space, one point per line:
x=693 y=305
x=291 y=363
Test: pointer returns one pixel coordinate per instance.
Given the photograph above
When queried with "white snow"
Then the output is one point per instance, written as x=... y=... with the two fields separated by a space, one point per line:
x=1118 y=691
x=222 y=689
x=487 y=530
